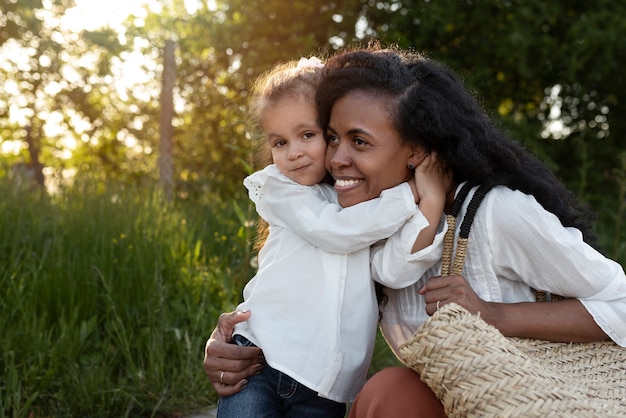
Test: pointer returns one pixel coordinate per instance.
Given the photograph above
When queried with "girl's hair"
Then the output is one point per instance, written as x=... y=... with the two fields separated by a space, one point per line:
x=292 y=79
x=432 y=108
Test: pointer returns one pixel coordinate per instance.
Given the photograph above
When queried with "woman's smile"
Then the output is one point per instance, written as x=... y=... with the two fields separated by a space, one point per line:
x=346 y=183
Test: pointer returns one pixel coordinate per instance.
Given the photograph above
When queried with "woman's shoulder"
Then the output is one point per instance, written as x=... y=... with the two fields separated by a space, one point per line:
x=515 y=210
x=500 y=198
x=507 y=199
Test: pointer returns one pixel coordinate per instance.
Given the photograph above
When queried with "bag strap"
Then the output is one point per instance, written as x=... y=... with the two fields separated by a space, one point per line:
x=447 y=267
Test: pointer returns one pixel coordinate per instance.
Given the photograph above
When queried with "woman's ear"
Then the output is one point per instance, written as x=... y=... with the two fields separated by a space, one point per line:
x=416 y=157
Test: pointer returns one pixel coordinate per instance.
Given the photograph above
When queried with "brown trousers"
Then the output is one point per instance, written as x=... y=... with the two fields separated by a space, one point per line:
x=396 y=392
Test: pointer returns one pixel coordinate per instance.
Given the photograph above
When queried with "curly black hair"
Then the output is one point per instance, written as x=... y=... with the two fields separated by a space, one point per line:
x=432 y=108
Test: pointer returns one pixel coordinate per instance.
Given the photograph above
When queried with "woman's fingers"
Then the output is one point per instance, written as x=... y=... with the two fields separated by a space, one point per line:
x=441 y=290
x=228 y=365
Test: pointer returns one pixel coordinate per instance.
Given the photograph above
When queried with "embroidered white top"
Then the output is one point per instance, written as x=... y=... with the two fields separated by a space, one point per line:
x=314 y=310
x=515 y=244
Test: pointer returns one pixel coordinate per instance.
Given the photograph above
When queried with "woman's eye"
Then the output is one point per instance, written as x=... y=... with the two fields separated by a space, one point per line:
x=359 y=141
x=332 y=138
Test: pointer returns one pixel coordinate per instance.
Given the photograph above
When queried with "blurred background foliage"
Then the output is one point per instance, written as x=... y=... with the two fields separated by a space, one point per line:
x=112 y=288
x=550 y=72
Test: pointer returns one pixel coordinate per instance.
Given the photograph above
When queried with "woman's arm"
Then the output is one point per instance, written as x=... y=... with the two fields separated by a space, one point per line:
x=530 y=246
x=559 y=321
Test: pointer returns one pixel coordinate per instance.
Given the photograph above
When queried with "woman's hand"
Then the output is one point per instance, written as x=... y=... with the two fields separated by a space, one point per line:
x=441 y=290
x=228 y=365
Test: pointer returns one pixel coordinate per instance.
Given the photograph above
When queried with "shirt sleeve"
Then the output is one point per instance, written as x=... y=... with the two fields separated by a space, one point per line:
x=307 y=211
x=393 y=264
x=532 y=246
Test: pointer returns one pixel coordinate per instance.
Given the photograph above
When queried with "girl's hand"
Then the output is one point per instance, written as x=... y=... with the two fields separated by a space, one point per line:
x=432 y=179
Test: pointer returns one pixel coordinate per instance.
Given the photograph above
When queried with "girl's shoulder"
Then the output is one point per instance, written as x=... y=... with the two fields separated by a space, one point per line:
x=271 y=173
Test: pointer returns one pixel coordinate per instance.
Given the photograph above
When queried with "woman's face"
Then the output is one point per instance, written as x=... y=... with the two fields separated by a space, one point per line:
x=365 y=155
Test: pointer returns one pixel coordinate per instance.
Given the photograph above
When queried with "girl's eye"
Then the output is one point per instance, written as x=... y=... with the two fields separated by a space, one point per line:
x=278 y=144
x=308 y=135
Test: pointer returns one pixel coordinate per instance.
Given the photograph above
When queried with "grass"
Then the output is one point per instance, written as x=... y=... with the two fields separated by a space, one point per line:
x=110 y=293
x=108 y=299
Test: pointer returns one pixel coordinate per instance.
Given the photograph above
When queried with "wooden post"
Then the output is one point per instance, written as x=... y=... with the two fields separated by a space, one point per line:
x=33 y=150
x=166 y=161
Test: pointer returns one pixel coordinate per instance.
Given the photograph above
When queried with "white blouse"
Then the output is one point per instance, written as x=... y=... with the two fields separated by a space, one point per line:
x=515 y=244
x=314 y=310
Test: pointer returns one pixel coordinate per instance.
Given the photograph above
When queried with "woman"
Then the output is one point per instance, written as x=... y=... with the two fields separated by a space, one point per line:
x=529 y=232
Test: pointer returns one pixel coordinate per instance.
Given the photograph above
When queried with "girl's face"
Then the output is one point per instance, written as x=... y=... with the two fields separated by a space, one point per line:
x=365 y=154
x=295 y=139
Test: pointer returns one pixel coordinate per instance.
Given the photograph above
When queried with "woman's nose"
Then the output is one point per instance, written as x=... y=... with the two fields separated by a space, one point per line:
x=338 y=156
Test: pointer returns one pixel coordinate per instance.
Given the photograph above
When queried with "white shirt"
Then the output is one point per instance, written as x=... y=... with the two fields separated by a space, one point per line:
x=314 y=310
x=515 y=244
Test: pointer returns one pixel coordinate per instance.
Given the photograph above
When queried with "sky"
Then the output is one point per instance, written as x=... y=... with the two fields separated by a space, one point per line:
x=93 y=14
x=90 y=14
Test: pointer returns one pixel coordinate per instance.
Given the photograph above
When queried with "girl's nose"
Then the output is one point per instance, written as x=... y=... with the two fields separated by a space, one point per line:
x=295 y=152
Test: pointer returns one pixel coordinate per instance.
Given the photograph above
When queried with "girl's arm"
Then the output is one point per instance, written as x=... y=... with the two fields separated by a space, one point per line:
x=394 y=264
x=410 y=252
x=310 y=212
x=432 y=182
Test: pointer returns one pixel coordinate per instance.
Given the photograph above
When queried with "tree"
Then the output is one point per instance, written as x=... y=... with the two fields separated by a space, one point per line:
x=514 y=53
x=220 y=51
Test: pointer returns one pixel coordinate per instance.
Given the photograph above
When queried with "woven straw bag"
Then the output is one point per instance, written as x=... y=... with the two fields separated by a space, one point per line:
x=477 y=372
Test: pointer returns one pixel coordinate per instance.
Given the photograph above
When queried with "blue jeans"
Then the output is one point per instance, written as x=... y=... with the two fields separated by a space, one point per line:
x=273 y=394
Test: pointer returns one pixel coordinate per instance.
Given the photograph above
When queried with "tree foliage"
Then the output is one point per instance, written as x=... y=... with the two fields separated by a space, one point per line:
x=513 y=53
x=220 y=51
x=58 y=95
x=550 y=72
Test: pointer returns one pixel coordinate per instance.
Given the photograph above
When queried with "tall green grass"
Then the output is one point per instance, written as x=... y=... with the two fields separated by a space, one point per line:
x=108 y=298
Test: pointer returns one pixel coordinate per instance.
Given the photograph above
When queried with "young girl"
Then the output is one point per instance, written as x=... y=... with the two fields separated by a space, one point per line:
x=313 y=303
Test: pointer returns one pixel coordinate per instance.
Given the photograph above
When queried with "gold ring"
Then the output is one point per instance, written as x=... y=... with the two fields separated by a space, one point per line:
x=222 y=377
